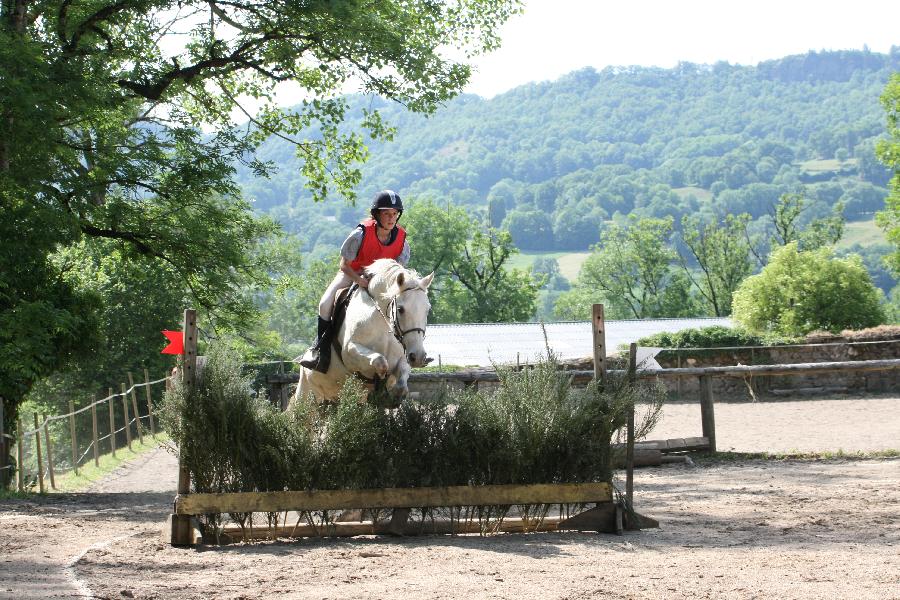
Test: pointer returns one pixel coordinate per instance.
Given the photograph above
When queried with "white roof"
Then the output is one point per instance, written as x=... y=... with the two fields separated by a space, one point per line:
x=480 y=344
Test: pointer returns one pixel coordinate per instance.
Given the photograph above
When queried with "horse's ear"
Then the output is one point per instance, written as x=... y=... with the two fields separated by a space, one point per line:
x=425 y=282
x=400 y=280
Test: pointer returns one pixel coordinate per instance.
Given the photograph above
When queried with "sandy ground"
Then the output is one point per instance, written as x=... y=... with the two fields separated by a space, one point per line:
x=729 y=529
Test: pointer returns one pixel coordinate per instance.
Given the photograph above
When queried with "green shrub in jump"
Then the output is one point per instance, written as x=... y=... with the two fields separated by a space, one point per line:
x=534 y=428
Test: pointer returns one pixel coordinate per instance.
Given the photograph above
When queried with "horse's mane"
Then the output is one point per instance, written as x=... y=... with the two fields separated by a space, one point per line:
x=383 y=275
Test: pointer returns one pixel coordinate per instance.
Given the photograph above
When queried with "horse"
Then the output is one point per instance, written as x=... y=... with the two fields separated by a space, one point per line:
x=382 y=334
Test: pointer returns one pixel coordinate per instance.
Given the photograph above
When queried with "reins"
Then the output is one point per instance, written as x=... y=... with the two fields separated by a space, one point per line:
x=393 y=322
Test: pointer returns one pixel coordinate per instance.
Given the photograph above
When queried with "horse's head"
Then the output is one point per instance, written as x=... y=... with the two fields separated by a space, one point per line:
x=407 y=296
x=410 y=315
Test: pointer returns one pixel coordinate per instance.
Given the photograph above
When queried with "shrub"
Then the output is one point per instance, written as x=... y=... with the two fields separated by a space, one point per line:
x=714 y=336
x=799 y=292
x=535 y=428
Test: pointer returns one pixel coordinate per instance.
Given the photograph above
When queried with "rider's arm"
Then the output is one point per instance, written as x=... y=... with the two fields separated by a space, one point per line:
x=356 y=276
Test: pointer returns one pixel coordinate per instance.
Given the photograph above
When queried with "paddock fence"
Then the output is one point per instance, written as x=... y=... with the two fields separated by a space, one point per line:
x=50 y=446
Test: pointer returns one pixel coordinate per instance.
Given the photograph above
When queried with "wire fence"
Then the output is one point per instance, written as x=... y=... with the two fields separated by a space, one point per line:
x=49 y=446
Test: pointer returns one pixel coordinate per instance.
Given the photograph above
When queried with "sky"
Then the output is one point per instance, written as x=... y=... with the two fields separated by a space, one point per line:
x=555 y=37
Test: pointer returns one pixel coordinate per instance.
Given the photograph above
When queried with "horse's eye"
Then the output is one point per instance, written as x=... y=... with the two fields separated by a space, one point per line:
x=400 y=310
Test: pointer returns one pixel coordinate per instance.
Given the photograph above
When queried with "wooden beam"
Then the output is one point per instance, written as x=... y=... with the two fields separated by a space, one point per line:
x=599 y=340
x=558 y=493
x=181 y=528
x=707 y=412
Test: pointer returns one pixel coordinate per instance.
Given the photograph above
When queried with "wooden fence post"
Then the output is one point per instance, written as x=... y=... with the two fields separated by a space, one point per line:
x=37 y=441
x=137 y=413
x=94 y=432
x=127 y=418
x=112 y=423
x=49 y=454
x=72 y=435
x=599 y=337
x=629 y=433
x=20 y=474
x=149 y=403
x=182 y=534
x=3 y=453
x=707 y=412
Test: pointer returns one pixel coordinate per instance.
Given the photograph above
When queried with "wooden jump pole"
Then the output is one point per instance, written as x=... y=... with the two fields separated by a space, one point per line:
x=149 y=403
x=73 y=437
x=134 y=406
x=112 y=424
x=49 y=454
x=707 y=411
x=94 y=430
x=598 y=324
x=182 y=534
x=127 y=417
x=40 y=461
x=629 y=431
x=20 y=474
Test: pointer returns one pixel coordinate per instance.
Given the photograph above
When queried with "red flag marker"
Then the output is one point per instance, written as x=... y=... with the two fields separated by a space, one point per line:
x=176 y=342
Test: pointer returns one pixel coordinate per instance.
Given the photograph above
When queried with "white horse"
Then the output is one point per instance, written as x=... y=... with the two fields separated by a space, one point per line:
x=382 y=335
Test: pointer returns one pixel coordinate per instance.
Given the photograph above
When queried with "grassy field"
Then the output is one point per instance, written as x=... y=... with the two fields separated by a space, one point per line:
x=569 y=262
x=699 y=193
x=831 y=164
x=864 y=233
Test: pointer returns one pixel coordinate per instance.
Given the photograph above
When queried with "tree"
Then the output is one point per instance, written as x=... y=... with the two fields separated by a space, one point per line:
x=799 y=292
x=786 y=219
x=110 y=128
x=631 y=267
x=531 y=230
x=723 y=258
x=473 y=283
x=889 y=153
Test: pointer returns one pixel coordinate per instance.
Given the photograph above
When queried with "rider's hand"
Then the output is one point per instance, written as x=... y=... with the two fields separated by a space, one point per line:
x=363 y=282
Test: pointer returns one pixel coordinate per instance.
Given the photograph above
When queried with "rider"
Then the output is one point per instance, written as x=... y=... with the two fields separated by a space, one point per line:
x=374 y=238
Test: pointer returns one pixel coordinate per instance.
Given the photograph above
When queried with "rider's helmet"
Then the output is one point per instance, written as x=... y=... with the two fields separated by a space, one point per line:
x=386 y=199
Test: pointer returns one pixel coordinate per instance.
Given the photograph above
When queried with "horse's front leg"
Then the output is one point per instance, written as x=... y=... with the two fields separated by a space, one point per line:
x=398 y=380
x=357 y=353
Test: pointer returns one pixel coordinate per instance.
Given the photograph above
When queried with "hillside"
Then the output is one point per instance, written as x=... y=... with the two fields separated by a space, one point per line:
x=553 y=160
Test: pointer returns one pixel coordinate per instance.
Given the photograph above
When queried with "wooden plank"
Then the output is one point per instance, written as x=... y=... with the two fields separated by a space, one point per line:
x=583 y=376
x=629 y=430
x=181 y=528
x=40 y=461
x=599 y=341
x=134 y=407
x=94 y=432
x=567 y=493
x=72 y=436
x=49 y=454
x=707 y=411
x=149 y=403
x=127 y=417
x=112 y=423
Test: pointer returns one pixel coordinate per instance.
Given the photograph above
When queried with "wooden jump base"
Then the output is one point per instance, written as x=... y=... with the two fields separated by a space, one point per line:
x=239 y=502
x=606 y=516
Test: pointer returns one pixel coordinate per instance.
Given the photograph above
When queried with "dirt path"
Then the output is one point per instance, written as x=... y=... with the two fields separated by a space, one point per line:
x=786 y=529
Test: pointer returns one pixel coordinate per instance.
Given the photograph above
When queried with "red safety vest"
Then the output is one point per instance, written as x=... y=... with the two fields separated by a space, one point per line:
x=372 y=249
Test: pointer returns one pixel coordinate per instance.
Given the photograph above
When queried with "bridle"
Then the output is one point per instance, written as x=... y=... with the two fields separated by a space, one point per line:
x=393 y=322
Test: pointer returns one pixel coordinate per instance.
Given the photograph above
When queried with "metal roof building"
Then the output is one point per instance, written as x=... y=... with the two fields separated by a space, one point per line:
x=480 y=344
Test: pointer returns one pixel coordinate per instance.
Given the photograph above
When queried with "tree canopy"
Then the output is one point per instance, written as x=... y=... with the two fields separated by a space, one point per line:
x=799 y=292
x=118 y=122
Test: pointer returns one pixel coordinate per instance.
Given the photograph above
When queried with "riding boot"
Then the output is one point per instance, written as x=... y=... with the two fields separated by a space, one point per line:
x=319 y=356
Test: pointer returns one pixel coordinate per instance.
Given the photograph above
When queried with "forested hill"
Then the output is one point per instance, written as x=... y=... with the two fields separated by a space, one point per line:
x=553 y=160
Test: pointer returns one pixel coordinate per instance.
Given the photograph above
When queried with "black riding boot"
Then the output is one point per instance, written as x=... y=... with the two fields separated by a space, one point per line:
x=320 y=353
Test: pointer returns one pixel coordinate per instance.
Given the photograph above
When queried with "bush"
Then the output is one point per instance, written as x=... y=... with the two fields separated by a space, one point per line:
x=535 y=429
x=799 y=292
x=715 y=336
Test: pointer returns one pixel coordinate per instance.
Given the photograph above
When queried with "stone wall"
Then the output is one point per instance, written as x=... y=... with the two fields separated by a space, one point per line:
x=739 y=389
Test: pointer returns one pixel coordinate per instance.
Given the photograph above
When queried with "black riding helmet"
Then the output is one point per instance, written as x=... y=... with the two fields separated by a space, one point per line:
x=386 y=199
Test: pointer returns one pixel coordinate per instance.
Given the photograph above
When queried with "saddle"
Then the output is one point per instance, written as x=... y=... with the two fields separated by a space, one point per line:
x=341 y=301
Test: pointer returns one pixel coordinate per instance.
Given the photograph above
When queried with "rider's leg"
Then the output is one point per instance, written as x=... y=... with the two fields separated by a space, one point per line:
x=319 y=356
